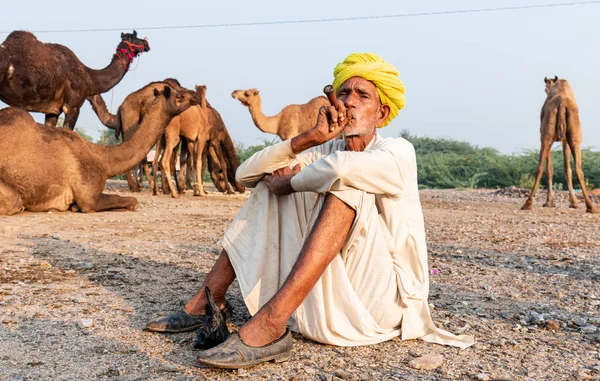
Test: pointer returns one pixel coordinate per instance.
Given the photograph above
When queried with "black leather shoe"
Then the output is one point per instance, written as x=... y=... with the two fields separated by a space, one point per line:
x=181 y=321
x=235 y=354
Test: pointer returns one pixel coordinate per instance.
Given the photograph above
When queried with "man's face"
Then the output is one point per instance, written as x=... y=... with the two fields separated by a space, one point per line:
x=362 y=101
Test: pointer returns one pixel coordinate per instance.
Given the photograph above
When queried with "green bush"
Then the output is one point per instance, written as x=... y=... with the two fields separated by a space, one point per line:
x=447 y=163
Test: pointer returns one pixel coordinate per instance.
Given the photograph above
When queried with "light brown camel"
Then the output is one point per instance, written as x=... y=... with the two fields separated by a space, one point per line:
x=560 y=123
x=128 y=117
x=206 y=138
x=291 y=121
x=193 y=126
x=49 y=78
x=74 y=171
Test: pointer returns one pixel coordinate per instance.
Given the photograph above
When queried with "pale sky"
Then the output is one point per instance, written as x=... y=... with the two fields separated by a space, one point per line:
x=476 y=77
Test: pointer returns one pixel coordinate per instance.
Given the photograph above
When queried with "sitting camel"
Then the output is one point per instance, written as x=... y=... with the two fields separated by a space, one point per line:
x=75 y=171
x=560 y=123
x=49 y=78
x=128 y=117
x=290 y=122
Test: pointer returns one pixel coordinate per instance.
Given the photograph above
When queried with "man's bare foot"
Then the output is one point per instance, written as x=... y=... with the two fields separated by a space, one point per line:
x=260 y=331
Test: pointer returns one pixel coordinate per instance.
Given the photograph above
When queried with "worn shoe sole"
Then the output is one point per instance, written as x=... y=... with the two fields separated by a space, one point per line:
x=278 y=358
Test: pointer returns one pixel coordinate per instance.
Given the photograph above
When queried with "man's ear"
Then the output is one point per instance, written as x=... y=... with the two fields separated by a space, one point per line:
x=383 y=114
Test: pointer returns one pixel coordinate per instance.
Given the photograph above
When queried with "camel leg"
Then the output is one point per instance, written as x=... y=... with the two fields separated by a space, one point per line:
x=182 y=165
x=165 y=163
x=10 y=200
x=538 y=174
x=51 y=120
x=188 y=165
x=185 y=164
x=155 y=164
x=198 y=170
x=220 y=157
x=71 y=118
x=579 y=171
x=131 y=182
x=174 y=158
x=148 y=174
x=568 y=175
x=104 y=202
x=550 y=172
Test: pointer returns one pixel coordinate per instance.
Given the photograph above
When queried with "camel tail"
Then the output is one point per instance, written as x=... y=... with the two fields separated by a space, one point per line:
x=106 y=118
x=561 y=122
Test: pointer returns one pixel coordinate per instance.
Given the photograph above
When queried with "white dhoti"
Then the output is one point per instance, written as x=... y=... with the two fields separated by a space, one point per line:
x=355 y=302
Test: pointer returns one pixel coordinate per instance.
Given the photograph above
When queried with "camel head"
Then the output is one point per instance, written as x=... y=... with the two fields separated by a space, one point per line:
x=177 y=100
x=132 y=44
x=549 y=83
x=246 y=97
x=201 y=90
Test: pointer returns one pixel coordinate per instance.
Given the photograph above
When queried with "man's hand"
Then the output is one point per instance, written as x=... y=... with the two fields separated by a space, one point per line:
x=279 y=182
x=330 y=122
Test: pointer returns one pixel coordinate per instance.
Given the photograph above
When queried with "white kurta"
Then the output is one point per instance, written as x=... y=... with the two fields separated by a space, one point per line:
x=377 y=287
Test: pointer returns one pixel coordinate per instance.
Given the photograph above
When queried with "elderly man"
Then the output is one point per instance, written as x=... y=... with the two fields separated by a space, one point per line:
x=331 y=243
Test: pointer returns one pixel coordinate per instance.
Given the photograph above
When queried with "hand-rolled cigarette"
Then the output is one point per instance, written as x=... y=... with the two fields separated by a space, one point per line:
x=329 y=91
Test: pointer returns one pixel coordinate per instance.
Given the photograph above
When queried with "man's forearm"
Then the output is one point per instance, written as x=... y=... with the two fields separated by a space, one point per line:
x=304 y=141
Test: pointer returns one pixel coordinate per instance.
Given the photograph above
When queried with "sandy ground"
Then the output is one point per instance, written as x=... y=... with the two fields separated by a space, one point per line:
x=76 y=290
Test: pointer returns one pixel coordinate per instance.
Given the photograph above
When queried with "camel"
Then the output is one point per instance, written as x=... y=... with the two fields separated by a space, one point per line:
x=75 y=171
x=132 y=110
x=193 y=125
x=290 y=122
x=128 y=117
x=206 y=139
x=221 y=142
x=49 y=78
x=560 y=123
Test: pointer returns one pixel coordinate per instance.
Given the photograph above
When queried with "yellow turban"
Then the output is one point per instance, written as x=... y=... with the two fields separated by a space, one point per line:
x=373 y=68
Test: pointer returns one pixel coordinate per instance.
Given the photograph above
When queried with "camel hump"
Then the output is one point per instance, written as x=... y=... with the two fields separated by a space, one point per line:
x=561 y=121
x=20 y=36
x=10 y=115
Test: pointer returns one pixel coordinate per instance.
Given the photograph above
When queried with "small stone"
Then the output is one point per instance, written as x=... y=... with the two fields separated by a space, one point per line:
x=535 y=318
x=588 y=329
x=552 y=325
x=45 y=265
x=481 y=377
x=426 y=362
x=168 y=368
x=344 y=375
x=580 y=322
x=56 y=237
x=86 y=323
x=242 y=373
x=87 y=265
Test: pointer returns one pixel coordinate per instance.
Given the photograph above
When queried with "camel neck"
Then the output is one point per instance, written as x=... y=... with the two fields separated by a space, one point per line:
x=264 y=123
x=125 y=156
x=107 y=78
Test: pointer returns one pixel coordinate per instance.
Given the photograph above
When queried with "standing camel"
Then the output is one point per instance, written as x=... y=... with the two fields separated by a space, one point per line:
x=290 y=122
x=75 y=171
x=49 y=78
x=560 y=123
x=193 y=126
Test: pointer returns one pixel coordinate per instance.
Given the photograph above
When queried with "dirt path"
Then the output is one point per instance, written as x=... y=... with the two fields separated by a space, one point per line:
x=77 y=289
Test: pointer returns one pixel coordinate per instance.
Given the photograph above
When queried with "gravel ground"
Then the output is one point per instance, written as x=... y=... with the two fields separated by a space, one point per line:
x=76 y=290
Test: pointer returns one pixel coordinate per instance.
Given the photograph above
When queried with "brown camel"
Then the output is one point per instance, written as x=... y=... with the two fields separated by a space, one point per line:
x=128 y=117
x=290 y=122
x=224 y=148
x=560 y=123
x=49 y=78
x=75 y=171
